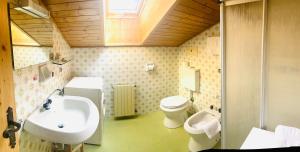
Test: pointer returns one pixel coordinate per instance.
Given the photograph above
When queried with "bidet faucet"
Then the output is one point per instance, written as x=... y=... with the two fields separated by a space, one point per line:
x=48 y=101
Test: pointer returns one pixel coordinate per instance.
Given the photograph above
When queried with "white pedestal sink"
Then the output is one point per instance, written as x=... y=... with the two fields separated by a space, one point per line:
x=70 y=120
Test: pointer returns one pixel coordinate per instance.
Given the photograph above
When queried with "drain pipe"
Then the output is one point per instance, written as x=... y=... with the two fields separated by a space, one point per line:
x=191 y=96
x=191 y=110
x=58 y=147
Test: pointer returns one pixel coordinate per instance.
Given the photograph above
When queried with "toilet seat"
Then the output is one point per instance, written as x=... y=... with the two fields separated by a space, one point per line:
x=173 y=102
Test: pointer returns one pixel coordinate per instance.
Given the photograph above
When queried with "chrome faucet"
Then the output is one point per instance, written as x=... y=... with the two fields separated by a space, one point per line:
x=48 y=101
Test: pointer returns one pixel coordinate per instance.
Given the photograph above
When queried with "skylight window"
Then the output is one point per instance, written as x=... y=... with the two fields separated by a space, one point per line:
x=124 y=6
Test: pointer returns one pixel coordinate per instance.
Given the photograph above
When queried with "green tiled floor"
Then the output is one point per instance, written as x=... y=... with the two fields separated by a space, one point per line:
x=144 y=133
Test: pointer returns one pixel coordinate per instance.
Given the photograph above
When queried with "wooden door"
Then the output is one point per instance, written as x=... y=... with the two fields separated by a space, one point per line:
x=6 y=77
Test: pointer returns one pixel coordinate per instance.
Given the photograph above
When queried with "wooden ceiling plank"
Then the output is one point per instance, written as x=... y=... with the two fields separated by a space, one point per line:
x=182 y=25
x=75 y=13
x=95 y=4
x=78 y=19
x=193 y=17
x=195 y=12
x=199 y=7
x=78 y=24
x=31 y=21
x=79 y=34
x=49 y=2
x=186 y=21
x=167 y=36
x=172 y=31
x=209 y=3
x=175 y=28
x=80 y=28
x=172 y=34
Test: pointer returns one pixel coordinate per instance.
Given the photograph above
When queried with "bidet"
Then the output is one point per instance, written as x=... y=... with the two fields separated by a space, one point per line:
x=204 y=129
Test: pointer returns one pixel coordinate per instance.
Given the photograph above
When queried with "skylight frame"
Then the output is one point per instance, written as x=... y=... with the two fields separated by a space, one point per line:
x=126 y=14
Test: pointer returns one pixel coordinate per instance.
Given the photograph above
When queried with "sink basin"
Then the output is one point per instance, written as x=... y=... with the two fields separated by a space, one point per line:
x=70 y=120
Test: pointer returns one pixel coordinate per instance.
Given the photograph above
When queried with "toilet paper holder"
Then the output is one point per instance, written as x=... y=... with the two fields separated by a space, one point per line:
x=149 y=67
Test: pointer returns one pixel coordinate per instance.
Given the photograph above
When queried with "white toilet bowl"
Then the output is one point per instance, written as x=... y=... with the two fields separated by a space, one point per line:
x=175 y=108
x=194 y=126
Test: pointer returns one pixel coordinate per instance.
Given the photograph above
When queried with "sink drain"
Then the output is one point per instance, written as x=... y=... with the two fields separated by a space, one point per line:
x=60 y=125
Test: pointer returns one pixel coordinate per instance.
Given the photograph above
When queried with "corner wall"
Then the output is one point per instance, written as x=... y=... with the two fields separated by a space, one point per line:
x=125 y=65
x=209 y=65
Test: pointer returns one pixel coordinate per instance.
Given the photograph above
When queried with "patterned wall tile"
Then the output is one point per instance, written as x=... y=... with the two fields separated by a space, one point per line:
x=125 y=65
x=25 y=56
x=30 y=93
x=122 y=65
x=209 y=65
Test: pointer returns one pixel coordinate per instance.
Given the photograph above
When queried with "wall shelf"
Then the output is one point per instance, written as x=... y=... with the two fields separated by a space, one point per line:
x=60 y=62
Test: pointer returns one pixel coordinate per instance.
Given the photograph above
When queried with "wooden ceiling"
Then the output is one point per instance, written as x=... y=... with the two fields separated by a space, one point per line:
x=184 y=20
x=80 y=21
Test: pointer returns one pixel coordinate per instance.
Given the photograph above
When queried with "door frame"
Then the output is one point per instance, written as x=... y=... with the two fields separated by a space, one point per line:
x=7 y=98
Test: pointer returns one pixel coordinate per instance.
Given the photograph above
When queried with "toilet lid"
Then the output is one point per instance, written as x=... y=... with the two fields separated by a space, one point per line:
x=173 y=102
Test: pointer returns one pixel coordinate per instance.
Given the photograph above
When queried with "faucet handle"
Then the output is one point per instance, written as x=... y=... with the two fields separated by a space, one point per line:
x=46 y=105
x=61 y=92
x=49 y=101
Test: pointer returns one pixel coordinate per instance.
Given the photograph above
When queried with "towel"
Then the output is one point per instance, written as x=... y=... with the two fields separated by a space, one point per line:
x=212 y=128
x=290 y=135
x=261 y=139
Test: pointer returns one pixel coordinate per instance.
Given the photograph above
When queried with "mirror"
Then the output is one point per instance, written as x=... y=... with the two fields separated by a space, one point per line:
x=32 y=33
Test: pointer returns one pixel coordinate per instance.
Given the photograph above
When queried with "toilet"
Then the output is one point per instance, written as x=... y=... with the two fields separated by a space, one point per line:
x=174 y=108
x=197 y=127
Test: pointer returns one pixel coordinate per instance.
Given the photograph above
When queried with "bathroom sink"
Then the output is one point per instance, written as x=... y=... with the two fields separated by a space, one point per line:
x=70 y=120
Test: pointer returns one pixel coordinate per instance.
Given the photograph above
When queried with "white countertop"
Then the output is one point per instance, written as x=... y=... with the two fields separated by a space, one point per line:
x=86 y=83
x=261 y=139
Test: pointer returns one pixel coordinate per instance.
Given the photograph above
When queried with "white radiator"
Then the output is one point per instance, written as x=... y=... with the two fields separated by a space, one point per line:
x=124 y=100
